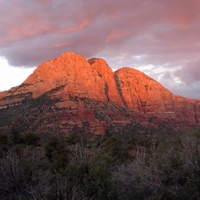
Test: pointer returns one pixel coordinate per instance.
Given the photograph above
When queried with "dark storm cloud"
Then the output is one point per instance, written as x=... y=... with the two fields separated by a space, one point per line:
x=160 y=34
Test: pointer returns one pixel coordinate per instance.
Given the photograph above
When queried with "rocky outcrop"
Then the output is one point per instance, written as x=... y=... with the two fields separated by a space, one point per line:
x=142 y=93
x=69 y=93
x=106 y=74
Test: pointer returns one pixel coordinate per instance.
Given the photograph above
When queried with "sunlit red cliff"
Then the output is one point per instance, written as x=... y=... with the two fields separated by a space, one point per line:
x=75 y=92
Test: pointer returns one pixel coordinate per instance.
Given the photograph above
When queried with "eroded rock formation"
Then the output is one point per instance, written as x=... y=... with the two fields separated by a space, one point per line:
x=69 y=93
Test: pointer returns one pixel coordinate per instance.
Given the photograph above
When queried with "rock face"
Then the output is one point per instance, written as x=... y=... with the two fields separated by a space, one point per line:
x=144 y=94
x=70 y=93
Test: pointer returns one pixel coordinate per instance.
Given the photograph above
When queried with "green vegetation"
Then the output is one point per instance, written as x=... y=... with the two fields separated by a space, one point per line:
x=106 y=167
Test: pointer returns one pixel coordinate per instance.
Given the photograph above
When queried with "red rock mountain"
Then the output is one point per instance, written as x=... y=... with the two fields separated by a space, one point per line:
x=69 y=94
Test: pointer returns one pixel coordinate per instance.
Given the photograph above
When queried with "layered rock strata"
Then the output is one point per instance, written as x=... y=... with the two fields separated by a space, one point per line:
x=72 y=76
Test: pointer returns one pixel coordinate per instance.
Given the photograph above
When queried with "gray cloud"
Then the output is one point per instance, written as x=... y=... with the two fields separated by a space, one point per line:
x=189 y=73
x=161 y=35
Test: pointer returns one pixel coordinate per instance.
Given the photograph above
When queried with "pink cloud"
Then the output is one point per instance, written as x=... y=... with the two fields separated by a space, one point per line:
x=78 y=27
x=61 y=44
x=182 y=12
x=116 y=35
x=40 y=2
x=165 y=33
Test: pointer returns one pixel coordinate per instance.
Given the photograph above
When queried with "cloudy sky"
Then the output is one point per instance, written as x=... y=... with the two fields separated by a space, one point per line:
x=159 y=37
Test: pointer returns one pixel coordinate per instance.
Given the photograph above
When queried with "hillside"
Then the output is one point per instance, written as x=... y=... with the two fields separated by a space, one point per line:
x=72 y=94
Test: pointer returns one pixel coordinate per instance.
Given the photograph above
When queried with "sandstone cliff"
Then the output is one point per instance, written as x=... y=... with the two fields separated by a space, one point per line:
x=70 y=92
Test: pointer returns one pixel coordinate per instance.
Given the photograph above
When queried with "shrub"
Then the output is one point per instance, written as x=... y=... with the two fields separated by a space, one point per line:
x=169 y=171
x=3 y=144
x=73 y=139
x=15 y=136
x=23 y=175
x=89 y=174
x=118 y=150
x=57 y=152
x=31 y=139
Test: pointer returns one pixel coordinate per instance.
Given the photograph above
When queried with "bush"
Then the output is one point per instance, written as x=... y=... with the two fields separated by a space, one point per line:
x=3 y=144
x=31 y=139
x=57 y=152
x=169 y=171
x=89 y=175
x=15 y=136
x=24 y=175
x=73 y=139
x=118 y=150
x=73 y=168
